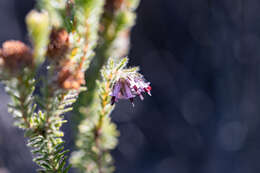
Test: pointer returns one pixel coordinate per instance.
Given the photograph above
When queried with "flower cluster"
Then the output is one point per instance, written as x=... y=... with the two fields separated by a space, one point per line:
x=129 y=86
x=15 y=55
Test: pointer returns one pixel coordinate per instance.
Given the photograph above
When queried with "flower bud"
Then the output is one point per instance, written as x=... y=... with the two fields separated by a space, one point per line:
x=38 y=26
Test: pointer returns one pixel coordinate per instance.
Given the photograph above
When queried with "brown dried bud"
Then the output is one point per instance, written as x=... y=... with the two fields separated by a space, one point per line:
x=113 y=5
x=16 y=55
x=59 y=44
x=69 y=78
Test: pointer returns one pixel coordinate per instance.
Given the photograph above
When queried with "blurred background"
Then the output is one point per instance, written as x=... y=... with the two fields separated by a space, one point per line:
x=202 y=58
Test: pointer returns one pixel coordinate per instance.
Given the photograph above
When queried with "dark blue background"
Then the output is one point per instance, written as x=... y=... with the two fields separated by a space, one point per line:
x=202 y=58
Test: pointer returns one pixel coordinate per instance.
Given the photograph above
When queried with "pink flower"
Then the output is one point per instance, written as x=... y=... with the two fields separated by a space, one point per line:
x=129 y=87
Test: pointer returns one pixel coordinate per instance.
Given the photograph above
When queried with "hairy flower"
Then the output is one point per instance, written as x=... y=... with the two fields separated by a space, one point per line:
x=59 y=44
x=15 y=55
x=68 y=78
x=130 y=86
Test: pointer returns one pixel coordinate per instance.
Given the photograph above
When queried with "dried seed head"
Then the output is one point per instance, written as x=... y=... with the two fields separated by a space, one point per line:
x=69 y=78
x=59 y=44
x=16 y=55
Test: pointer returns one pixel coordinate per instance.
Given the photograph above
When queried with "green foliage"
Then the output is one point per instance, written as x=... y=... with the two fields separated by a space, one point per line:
x=114 y=43
x=116 y=27
x=20 y=90
x=91 y=28
x=87 y=17
x=42 y=128
x=46 y=136
x=97 y=134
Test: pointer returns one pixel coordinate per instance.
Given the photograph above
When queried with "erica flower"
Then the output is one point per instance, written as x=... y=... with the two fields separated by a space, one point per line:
x=130 y=86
